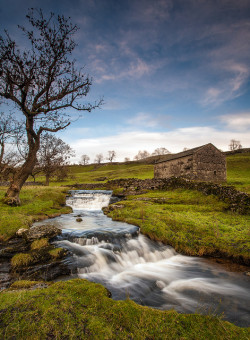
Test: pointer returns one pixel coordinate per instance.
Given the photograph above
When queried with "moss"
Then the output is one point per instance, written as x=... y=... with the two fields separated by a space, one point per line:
x=78 y=309
x=37 y=203
x=57 y=253
x=21 y=260
x=24 y=284
x=38 y=244
x=192 y=223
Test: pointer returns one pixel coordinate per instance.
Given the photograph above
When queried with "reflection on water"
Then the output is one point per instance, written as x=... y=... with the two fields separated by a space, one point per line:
x=150 y=273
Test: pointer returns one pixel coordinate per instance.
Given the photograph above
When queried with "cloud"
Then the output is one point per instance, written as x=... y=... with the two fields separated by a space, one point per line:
x=128 y=144
x=231 y=85
x=238 y=122
x=147 y=120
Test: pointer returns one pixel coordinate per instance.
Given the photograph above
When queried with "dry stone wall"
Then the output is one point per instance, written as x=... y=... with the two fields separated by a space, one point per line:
x=237 y=201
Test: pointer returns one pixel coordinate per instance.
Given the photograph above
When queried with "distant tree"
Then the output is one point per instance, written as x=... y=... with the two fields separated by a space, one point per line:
x=53 y=155
x=111 y=156
x=126 y=159
x=185 y=149
x=235 y=145
x=41 y=81
x=141 y=155
x=160 y=151
x=10 y=133
x=85 y=159
x=99 y=158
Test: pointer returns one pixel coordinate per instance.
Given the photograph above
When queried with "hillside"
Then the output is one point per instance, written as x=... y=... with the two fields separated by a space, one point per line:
x=238 y=171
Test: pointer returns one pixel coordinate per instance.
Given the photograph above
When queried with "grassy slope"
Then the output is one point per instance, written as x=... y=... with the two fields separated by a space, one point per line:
x=189 y=221
x=90 y=173
x=238 y=171
x=37 y=203
x=78 y=309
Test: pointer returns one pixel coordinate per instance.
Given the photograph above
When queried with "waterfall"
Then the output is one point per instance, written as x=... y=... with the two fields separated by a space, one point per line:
x=150 y=273
x=88 y=199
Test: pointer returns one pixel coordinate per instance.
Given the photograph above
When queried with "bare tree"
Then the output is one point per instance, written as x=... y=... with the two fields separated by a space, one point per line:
x=126 y=159
x=141 y=155
x=99 y=158
x=85 y=159
x=10 y=132
x=111 y=156
x=53 y=155
x=235 y=145
x=185 y=149
x=160 y=151
x=41 y=82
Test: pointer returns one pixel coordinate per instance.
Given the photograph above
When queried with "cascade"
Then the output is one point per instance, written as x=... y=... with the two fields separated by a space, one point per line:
x=130 y=265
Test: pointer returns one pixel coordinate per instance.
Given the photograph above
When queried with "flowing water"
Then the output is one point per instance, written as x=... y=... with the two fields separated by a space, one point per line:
x=150 y=273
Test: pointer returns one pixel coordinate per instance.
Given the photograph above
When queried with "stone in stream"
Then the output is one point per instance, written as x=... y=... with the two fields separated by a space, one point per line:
x=39 y=231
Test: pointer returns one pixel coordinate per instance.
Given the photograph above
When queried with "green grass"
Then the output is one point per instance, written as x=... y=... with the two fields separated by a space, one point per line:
x=79 y=309
x=91 y=174
x=37 y=203
x=238 y=171
x=189 y=221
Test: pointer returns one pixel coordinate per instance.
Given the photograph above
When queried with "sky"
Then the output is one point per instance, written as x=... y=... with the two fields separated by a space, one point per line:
x=172 y=73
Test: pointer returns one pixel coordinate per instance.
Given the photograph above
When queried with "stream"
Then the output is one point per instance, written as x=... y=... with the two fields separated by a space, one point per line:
x=128 y=264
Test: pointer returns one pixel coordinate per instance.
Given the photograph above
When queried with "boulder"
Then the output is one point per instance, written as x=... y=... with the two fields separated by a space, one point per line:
x=39 y=231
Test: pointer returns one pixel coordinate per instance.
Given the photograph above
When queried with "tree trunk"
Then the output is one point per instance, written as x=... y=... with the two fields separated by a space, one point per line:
x=47 y=179
x=22 y=174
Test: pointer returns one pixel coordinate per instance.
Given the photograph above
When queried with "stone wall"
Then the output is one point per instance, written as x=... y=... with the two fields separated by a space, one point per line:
x=237 y=201
x=209 y=164
x=176 y=167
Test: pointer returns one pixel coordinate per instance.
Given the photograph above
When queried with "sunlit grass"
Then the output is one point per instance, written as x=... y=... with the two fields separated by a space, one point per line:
x=189 y=221
x=79 y=309
x=37 y=203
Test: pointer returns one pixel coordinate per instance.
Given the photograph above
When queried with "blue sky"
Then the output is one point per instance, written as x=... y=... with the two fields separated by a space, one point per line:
x=173 y=74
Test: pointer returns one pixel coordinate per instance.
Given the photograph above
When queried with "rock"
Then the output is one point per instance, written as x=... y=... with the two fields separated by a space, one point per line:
x=15 y=245
x=21 y=231
x=47 y=272
x=40 y=231
x=100 y=179
x=79 y=219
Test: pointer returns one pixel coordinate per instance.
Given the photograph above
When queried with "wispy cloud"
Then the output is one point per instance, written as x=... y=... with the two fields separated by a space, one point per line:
x=231 y=86
x=237 y=121
x=148 y=120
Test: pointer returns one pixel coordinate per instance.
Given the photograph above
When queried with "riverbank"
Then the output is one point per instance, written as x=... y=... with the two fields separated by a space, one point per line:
x=192 y=223
x=38 y=203
x=78 y=308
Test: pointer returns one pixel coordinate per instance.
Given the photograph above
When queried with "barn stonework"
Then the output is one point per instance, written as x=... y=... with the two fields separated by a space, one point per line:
x=204 y=163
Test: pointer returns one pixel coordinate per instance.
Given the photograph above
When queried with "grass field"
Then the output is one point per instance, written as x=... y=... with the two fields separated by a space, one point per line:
x=238 y=172
x=79 y=309
x=93 y=174
x=189 y=221
x=37 y=203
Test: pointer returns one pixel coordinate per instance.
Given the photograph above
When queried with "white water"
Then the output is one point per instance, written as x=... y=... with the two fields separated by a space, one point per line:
x=129 y=264
x=86 y=200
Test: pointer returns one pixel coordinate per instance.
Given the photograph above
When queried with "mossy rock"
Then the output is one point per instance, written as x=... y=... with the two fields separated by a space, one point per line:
x=21 y=260
x=39 y=244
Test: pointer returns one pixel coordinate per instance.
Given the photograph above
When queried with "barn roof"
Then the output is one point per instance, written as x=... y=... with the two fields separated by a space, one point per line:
x=182 y=154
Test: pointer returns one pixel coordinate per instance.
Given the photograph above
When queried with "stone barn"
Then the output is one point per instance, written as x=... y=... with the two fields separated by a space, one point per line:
x=204 y=163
